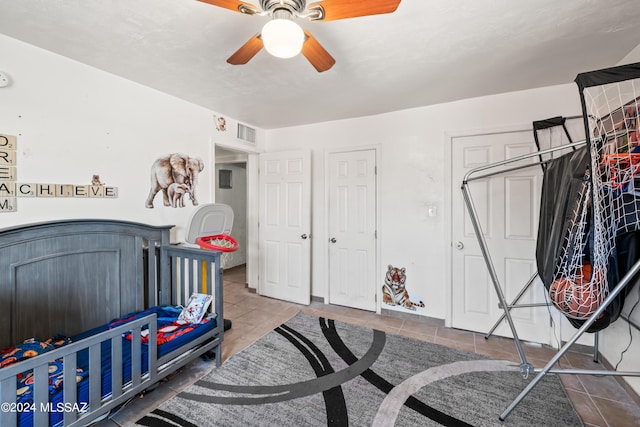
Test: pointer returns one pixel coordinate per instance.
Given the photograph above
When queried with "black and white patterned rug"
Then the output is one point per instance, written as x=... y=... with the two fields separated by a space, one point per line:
x=314 y=372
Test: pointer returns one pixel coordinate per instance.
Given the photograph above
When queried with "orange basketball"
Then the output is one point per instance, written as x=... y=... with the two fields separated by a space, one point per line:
x=585 y=272
x=556 y=288
x=580 y=301
x=563 y=298
x=590 y=300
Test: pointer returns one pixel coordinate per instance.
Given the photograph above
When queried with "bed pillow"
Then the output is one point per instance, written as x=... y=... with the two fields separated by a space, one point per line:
x=196 y=308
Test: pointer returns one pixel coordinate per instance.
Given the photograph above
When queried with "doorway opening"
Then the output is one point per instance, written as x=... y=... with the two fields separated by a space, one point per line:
x=230 y=183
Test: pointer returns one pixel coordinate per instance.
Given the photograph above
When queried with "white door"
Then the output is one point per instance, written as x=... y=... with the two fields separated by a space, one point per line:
x=352 y=229
x=285 y=226
x=508 y=208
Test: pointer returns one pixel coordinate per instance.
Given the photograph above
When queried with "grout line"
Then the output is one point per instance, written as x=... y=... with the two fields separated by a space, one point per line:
x=593 y=403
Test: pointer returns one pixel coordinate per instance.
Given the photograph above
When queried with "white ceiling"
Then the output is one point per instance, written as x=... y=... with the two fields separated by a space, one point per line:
x=427 y=52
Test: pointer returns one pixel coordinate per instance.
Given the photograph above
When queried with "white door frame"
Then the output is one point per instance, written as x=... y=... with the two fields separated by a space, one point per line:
x=378 y=271
x=449 y=187
x=253 y=266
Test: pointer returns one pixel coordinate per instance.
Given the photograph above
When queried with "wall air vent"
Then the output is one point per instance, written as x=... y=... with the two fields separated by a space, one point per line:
x=246 y=133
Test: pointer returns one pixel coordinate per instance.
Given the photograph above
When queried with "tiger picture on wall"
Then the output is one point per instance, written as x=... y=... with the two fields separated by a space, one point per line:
x=394 y=291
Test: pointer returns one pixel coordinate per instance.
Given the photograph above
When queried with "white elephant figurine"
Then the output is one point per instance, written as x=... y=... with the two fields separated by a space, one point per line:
x=174 y=168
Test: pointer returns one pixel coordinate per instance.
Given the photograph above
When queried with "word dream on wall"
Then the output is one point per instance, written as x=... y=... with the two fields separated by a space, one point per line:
x=11 y=190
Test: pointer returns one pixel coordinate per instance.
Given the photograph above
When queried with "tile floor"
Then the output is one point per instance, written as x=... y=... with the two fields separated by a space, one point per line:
x=600 y=401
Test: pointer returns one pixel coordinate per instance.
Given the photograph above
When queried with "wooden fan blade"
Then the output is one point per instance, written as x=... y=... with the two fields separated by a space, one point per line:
x=316 y=54
x=247 y=51
x=235 y=5
x=340 y=9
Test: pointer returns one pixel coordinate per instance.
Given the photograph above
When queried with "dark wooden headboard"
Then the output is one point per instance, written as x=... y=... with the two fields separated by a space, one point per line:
x=69 y=276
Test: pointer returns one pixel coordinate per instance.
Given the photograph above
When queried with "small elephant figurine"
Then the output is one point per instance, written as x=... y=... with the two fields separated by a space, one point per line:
x=174 y=168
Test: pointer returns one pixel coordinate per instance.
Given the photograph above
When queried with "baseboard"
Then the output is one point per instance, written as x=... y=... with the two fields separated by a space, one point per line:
x=235 y=267
x=317 y=299
x=413 y=317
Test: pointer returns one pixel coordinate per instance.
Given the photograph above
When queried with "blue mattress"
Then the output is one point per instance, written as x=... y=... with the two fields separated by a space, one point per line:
x=172 y=334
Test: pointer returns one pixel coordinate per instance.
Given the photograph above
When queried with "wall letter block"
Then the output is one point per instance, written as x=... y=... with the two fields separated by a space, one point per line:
x=7 y=157
x=45 y=190
x=8 y=205
x=8 y=142
x=81 y=191
x=7 y=189
x=26 y=190
x=64 y=190
x=111 y=192
x=7 y=173
x=96 y=191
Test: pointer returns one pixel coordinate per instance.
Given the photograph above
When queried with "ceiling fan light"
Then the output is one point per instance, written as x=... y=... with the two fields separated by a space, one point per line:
x=282 y=38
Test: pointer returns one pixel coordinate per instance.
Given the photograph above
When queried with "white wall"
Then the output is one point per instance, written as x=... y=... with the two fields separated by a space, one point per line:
x=73 y=121
x=412 y=174
x=632 y=57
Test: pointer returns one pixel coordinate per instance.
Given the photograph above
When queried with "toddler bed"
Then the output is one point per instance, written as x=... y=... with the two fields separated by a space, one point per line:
x=115 y=288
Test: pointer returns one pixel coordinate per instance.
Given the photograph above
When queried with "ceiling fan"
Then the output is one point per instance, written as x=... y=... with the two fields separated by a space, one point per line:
x=283 y=38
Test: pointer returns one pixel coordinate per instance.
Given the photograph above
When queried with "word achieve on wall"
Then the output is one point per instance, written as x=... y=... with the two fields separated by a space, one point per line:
x=10 y=189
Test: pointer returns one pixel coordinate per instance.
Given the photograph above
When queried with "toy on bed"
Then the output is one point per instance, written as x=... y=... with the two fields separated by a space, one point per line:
x=135 y=284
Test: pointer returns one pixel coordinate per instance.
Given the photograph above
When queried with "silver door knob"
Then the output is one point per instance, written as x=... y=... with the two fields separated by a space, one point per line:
x=304 y=237
x=333 y=240
x=459 y=245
